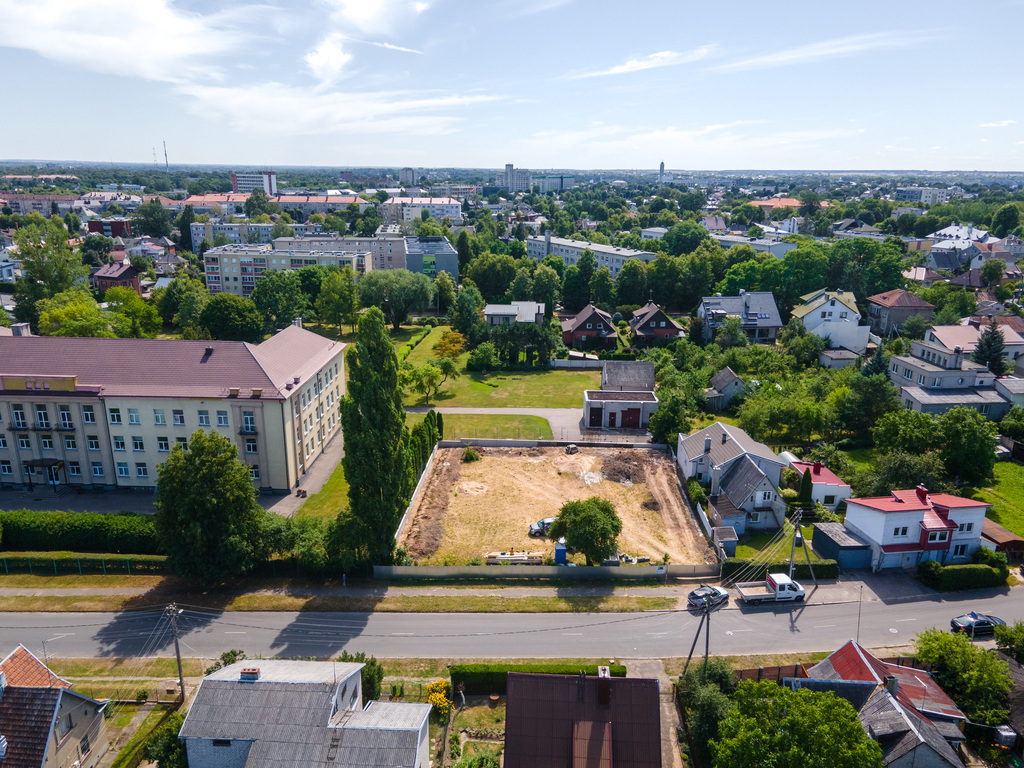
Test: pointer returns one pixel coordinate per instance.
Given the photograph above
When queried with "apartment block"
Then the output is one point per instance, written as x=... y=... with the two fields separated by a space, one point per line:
x=401 y=209
x=247 y=182
x=514 y=179
x=386 y=248
x=242 y=232
x=236 y=268
x=105 y=413
x=570 y=251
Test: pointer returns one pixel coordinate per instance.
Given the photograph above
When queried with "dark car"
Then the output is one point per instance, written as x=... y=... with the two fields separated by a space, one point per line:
x=706 y=594
x=976 y=624
x=541 y=527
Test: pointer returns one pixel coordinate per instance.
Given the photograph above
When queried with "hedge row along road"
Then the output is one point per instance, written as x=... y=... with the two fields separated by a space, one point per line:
x=734 y=630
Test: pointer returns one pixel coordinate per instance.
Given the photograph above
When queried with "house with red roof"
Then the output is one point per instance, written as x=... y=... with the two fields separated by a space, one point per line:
x=42 y=721
x=826 y=486
x=590 y=326
x=887 y=312
x=907 y=527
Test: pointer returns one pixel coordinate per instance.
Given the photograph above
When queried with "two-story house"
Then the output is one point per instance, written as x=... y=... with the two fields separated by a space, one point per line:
x=834 y=315
x=590 y=326
x=651 y=322
x=907 y=527
x=934 y=379
x=756 y=310
x=827 y=487
x=742 y=476
x=887 y=312
x=42 y=721
x=949 y=337
x=274 y=712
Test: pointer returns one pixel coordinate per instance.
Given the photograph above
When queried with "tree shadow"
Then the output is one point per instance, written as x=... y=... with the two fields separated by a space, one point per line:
x=326 y=625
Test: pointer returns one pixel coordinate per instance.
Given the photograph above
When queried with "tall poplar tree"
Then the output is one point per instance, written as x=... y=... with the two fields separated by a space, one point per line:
x=376 y=444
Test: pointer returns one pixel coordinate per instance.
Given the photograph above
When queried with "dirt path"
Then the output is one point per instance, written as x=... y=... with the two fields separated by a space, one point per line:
x=660 y=476
x=425 y=527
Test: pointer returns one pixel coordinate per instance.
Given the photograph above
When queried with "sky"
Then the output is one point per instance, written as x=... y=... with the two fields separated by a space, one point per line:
x=543 y=84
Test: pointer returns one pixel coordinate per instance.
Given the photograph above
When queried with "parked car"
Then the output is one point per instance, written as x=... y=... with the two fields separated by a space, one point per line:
x=976 y=624
x=706 y=593
x=541 y=527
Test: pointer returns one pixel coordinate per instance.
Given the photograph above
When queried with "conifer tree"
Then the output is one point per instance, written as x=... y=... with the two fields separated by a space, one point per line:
x=991 y=350
x=875 y=364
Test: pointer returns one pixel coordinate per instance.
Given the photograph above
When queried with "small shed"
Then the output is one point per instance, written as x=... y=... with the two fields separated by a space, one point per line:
x=834 y=542
x=727 y=538
x=999 y=539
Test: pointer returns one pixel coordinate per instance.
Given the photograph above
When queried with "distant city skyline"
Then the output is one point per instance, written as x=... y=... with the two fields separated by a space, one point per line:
x=584 y=85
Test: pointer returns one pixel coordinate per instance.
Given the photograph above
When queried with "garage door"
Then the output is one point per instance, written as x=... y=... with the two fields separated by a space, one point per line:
x=631 y=418
x=595 y=416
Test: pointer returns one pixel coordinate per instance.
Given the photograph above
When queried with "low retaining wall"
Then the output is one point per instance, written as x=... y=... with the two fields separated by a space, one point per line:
x=542 y=571
x=483 y=442
x=577 y=363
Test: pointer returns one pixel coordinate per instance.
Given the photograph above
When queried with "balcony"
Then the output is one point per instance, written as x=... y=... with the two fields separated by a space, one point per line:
x=249 y=429
x=42 y=426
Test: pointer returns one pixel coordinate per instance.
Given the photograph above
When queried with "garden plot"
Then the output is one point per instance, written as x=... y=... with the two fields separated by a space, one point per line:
x=469 y=509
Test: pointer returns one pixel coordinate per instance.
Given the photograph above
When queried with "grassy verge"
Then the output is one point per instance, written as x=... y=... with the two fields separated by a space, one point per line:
x=142 y=733
x=331 y=499
x=160 y=668
x=457 y=425
x=399 y=604
x=65 y=581
x=521 y=389
x=424 y=351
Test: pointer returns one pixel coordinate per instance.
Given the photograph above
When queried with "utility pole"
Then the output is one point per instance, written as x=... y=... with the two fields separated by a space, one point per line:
x=173 y=612
x=792 y=551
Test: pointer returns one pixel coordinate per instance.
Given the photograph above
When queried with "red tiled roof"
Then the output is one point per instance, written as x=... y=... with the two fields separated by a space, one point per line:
x=899 y=298
x=115 y=270
x=914 y=687
x=934 y=522
x=24 y=670
x=908 y=501
x=821 y=474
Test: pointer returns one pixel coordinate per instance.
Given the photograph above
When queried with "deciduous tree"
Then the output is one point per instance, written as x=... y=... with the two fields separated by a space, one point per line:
x=152 y=219
x=279 y=297
x=444 y=289
x=48 y=267
x=591 y=527
x=602 y=289
x=451 y=345
x=396 y=292
x=978 y=681
x=230 y=317
x=338 y=302
x=631 y=284
x=207 y=517
x=968 y=444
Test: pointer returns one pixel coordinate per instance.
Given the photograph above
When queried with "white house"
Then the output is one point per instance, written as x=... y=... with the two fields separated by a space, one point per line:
x=834 y=315
x=907 y=527
x=826 y=486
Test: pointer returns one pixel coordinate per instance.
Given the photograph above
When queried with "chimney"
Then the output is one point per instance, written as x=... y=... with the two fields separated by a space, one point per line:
x=890 y=684
x=742 y=292
x=547 y=242
x=922 y=493
x=604 y=688
x=604 y=672
x=958 y=357
x=725 y=438
x=296 y=379
x=209 y=350
x=716 y=477
x=249 y=674
x=817 y=468
x=3 y=682
x=21 y=329
x=707 y=445
x=297 y=322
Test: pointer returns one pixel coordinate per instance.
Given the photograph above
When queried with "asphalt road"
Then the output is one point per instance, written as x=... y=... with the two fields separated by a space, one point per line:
x=734 y=630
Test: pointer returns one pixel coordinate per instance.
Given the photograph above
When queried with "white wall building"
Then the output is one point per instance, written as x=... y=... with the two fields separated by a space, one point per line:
x=834 y=315
x=236 y=268
x=570 y=251
x=402 y=209
x=514 y=179
x=247 y=182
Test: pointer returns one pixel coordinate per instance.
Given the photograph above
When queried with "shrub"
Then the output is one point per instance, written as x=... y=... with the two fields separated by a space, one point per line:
x=491 y=678
x=696 y=493
x=439 y=694
x=84 y=562
x=974 y=576
x=789 y=495
x=370 y=675
x=823 y=569
x=29 y=530
x=470 y=455
x=930 y=572
x=483 y=358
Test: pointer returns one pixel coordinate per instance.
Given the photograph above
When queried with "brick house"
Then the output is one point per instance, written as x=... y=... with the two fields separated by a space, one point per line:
x=650 y=322
x=887 y=312
x=591 y=325
x=115 y=275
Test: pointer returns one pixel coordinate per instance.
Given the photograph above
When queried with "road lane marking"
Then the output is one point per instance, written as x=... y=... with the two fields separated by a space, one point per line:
x=899 y=620
x=234 y=633
x=822 y=626
x=657 y=633
x=738 y=630
x=572 y=634
x=403 y=634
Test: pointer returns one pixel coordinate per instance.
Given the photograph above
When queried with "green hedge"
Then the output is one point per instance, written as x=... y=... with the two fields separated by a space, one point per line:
x=28 y=530
x=696 y=493
x=405 y=349
x=56 y=563
x=823 y=569
x=973 y=576
x=491 y=678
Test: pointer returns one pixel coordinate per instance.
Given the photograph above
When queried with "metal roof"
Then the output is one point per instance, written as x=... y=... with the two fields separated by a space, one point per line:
x=727 y=443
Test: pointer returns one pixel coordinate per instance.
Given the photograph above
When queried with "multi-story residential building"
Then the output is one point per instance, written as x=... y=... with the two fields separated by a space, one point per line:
x=234 y=203
x=43 y=722
x=948 y=338
x=430 y=255
x=25 y=203
x=514 y=179
x=926 y=195
x=236 y=268
x=116 y=275
x=115 y=226
x=243 y=232
x=834 y=315
x=555 y=183
x=934 y=379
x=386 y=248
x=121 y=187
x=777 y=248
x=407 y=177
x=907 y=527
x=756 y=310
x=247 y=182
x=570 y=251
x=653 y=233
x=401 y=209
x=887 y=312
x=105 y=413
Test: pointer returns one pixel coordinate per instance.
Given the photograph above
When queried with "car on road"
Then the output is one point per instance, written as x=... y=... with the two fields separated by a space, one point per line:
x=706 y=594
x=541 y=527
x=976 y=624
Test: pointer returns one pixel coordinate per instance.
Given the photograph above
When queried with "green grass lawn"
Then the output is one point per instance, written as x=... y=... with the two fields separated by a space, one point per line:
x=333 y=498
x=1006 y=496
x=514 y=389
x=752 y=545
x=499 y=427
x=424 y=351
x=862 y=458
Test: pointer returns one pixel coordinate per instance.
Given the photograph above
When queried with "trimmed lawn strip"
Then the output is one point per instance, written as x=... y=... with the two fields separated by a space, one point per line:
x=331 y=499
x=520 y=389
x=424 y=351
x=399 y=604
x=457 y=425
x=754 y=543
x=160 y=668
x=85 y=581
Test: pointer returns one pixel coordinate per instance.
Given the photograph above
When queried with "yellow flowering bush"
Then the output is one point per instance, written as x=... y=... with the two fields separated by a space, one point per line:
x=439 y=694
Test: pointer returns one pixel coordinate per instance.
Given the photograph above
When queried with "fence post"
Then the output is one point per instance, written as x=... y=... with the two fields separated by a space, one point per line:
x=55 y=566
x=760 y=673
x=128 y=563
x=103 y=562
x=79 y=565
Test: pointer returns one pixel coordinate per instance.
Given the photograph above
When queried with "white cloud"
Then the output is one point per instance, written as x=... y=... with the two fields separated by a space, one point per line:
x=374 y=17
x=652 y=61
x=328 y=59
x=829 y=49
x=150 y=39
x=324 y=113
x=998 y=124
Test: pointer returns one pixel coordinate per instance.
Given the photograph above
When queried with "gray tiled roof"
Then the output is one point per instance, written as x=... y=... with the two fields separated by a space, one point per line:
x=723 y=378
x=736 y=443
x=755 y=308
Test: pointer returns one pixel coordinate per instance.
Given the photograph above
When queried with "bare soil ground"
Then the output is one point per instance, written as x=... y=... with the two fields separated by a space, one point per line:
x=467 y=510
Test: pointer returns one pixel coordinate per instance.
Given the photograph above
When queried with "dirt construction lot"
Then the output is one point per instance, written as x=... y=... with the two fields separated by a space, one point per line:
x=467 y=510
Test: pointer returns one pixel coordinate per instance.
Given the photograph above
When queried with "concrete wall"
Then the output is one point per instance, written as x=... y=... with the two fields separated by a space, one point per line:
x=419 y=487
x=540 y=571
x=485 y=443
x=577 y=363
